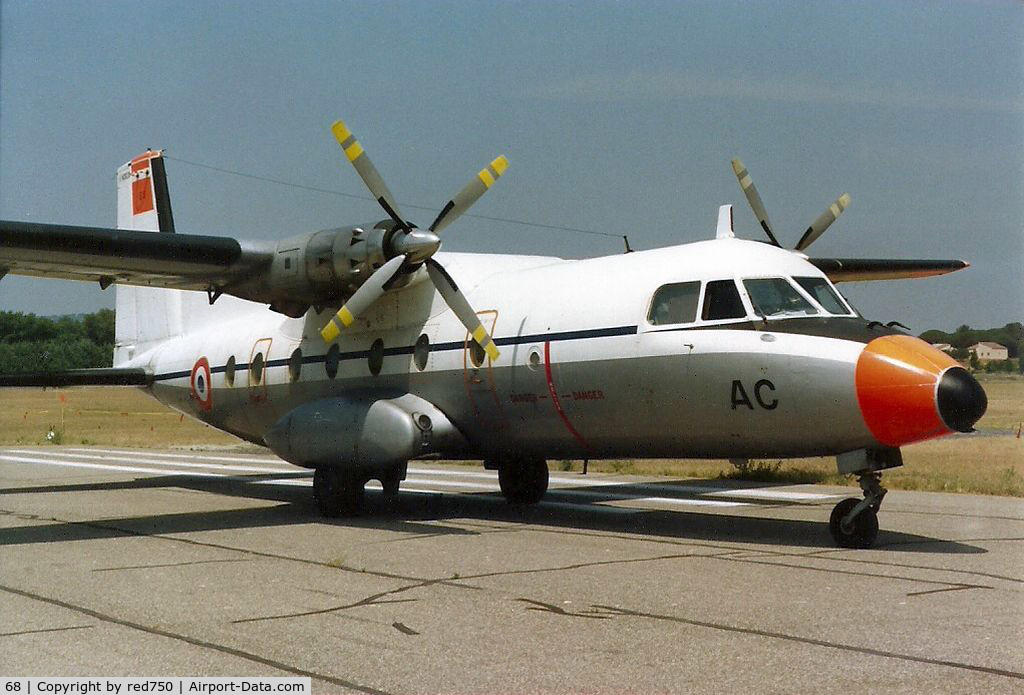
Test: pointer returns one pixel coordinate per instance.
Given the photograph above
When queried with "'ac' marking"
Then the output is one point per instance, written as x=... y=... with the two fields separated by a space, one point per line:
x=740 y=397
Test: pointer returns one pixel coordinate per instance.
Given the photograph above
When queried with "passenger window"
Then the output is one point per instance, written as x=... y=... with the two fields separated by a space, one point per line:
x=823 y=294
x=675 y=304
x=332 y=360
x=722 y=301
x=776 y=297
x=256 y=370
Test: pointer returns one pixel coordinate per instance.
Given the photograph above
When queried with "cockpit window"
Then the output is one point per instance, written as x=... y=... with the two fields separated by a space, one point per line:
x=823 y=294
x=722 y=301
x=675 y=304
x=776 y=297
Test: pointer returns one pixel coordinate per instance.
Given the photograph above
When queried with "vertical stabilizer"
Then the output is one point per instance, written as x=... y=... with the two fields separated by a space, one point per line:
x=145 y=315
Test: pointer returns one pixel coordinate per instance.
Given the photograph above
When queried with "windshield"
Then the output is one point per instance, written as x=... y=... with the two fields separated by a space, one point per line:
x=823 y=294
x=776 y=297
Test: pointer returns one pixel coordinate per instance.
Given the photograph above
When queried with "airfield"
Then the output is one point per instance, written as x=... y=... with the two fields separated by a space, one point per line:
x=122 y=562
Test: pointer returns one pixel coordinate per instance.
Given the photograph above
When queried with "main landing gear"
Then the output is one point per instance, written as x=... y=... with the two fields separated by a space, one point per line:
x=338 y=492
x=523 y=480
x=854 y=523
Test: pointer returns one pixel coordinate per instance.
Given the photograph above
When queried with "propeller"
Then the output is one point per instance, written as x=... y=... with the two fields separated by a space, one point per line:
x=817 y=227
x=413 y=247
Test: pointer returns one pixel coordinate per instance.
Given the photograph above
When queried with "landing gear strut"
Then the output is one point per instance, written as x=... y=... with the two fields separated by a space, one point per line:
x=854 y=523
x=337 y=492
x=523 y=480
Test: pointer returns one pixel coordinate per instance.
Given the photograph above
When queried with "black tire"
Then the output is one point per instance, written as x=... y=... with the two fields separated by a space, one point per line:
x=523 y=480
x=337 y=493
x=390 y=485
x=864 y=529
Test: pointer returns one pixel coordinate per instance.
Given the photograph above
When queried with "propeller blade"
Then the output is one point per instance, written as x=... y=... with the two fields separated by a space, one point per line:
x=367 y=172
x=458 y=304
x=369 y=292
x=754 y=199
x=826 y=218
x=470 y=193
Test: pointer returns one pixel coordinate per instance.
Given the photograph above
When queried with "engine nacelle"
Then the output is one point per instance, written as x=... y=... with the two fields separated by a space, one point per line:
x=364 y=434
x=320 y=268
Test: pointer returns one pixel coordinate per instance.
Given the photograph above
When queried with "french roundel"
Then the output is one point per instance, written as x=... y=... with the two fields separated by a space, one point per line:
x=200 y=384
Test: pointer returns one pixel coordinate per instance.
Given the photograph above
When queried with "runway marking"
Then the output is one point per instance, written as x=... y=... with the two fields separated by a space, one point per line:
x=224 y=649
x=255 y=458
x=812 y=641
x=173 y=467
x=753 y=493
x=102 y=467
x=183 y=464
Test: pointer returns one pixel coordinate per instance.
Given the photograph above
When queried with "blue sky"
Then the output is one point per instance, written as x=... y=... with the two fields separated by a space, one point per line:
x=616 y=117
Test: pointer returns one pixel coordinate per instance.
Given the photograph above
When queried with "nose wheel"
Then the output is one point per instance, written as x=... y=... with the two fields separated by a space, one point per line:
x=854 y=522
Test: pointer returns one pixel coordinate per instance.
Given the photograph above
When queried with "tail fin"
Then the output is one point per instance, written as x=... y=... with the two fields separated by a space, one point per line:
x=145 y=315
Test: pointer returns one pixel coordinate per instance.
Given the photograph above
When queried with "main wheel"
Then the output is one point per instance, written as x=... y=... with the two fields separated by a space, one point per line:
x=337 y=492
x=859 y=533
x=523 y=480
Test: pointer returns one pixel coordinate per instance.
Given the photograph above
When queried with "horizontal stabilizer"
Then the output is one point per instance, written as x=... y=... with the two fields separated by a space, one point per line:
x=78 y=377
x=859 y=269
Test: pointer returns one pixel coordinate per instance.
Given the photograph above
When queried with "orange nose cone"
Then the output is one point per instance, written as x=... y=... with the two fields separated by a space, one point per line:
x=897 y=380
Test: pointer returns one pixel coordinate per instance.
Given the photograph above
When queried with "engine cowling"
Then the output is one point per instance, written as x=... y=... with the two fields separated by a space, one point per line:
x=320 y=268
x=363 y=433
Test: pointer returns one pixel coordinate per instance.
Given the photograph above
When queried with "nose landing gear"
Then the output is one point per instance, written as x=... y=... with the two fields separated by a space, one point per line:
x=854 y=523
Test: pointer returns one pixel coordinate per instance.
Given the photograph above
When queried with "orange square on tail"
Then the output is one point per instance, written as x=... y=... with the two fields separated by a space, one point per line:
x=142 y=196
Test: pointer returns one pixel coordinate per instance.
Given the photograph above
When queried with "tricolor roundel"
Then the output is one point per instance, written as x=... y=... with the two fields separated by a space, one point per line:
x=201 y=387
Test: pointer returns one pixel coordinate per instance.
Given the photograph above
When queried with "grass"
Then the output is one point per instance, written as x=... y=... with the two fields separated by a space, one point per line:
x=990 y=463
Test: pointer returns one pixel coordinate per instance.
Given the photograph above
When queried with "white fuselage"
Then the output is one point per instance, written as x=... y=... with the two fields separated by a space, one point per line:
x=583 y=373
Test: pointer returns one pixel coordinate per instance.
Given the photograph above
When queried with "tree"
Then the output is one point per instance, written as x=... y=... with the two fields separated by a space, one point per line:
x=99 y=327
x=975 y=362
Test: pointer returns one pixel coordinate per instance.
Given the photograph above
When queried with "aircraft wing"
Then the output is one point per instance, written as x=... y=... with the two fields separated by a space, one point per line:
x=859 y=269
x=106 y=256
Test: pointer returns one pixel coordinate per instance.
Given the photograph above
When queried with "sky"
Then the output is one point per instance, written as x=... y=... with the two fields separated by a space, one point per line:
x=617 y=118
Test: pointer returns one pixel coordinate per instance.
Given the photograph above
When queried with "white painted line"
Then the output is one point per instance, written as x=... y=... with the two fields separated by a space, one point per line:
x=770 y=494
x=678 y=501
x=102 y=467
x=184 y=454
x=159 y=462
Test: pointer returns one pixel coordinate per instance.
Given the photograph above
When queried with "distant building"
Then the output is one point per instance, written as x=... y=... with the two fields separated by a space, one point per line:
x=990 y=352
x=944 y=347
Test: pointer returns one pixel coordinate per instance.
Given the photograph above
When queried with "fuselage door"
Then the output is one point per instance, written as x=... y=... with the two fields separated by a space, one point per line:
x=478 y=377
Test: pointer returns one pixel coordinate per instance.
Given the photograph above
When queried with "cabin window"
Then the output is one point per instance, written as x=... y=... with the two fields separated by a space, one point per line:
x=823 y=294
x=376 y=358
x=421 y=351
x=256 y=370
x=295 y=365
x=776 y=297
x=722 y=301
x=331 y=361
x=675 y=304
x=229 y=371
x=476 y=353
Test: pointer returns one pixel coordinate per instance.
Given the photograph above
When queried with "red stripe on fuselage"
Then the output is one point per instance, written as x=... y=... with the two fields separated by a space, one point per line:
x=557 y=402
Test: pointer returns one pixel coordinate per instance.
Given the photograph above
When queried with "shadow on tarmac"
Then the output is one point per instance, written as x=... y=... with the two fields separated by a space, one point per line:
x=405 y=513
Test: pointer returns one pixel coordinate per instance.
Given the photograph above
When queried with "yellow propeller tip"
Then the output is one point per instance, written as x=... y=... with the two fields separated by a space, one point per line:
x=329 y=333
x=500 y=164
x=844 y=199
x=737 y=166
x=340 y=130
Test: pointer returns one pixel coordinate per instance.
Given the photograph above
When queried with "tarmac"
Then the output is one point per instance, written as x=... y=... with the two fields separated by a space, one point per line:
x=179 y=563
